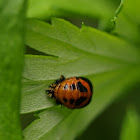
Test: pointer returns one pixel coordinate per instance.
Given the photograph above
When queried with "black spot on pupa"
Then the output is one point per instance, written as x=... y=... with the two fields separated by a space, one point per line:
x=90 y=84
x=80 y=100
x=66 y=86
x=65 y=100
x=71 y=101
x=81 y=87
x=73 y=87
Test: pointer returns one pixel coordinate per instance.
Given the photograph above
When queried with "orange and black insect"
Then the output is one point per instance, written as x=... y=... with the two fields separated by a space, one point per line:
x=73 y=92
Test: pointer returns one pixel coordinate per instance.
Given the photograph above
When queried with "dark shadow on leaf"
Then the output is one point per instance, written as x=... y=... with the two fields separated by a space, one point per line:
x=32 y=51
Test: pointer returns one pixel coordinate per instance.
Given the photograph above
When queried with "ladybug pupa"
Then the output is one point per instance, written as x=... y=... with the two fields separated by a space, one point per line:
x=73 y=92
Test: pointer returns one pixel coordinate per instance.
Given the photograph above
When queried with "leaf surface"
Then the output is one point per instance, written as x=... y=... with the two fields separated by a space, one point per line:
x=69 y=48
x=111 y=64
x=70 y=123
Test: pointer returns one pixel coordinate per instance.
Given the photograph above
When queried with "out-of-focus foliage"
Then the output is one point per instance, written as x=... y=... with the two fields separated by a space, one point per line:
x=45 y=9
x=131 y=126
x=101 y=10
x=127 y=20
x=12 y=21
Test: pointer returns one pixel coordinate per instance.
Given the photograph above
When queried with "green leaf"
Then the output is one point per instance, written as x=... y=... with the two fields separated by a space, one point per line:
x=131 y=126
x=62 y=123
x=12 y=21
x=111 y=64
x=127 y=20
x=72 y=40
x=34 y=97
x=69 y=48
